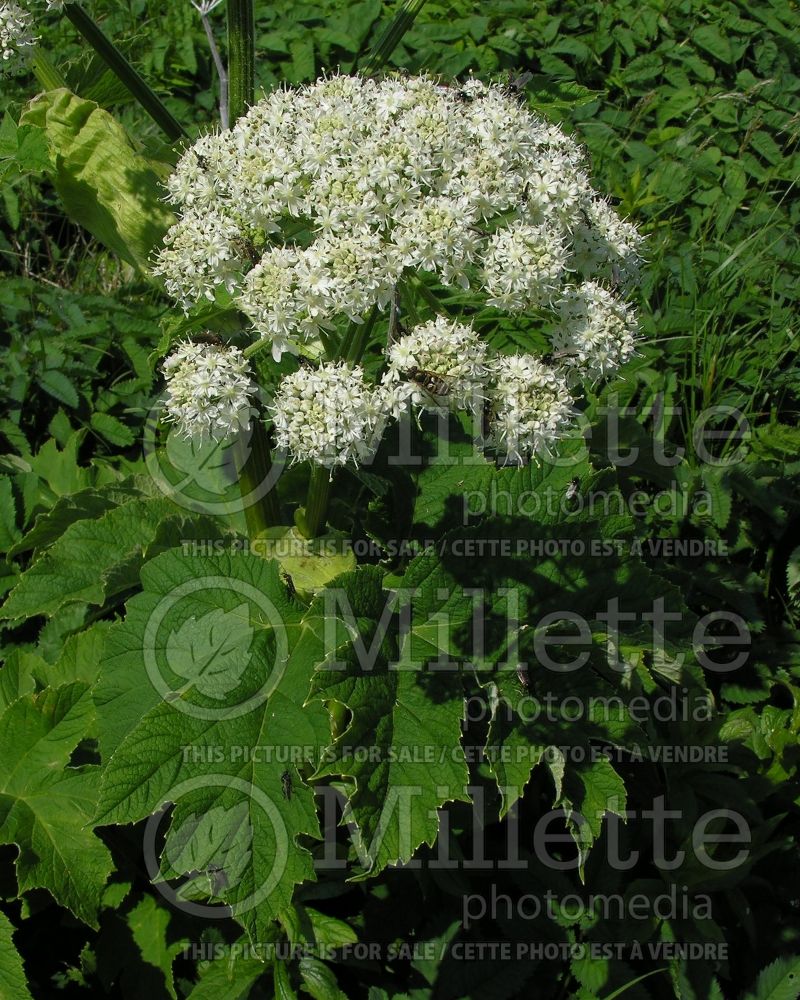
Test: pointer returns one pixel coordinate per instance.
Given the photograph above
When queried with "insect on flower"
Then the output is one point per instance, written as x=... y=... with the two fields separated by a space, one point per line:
x=436 y=385
x=207 y=338
x=515 y=88
x=246 y=248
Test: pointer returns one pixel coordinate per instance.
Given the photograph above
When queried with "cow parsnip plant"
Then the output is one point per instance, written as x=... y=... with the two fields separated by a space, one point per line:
x=275 y=610
x=323 y=207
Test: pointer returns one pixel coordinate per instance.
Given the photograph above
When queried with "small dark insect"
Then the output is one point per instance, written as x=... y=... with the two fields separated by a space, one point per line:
x=572 y=489
x=217 y=878
x=522 y=676
x=207 y=338
x=202 y=162
x=519 y=83
x=555 y=355
x=246 y=248
x=290 y=587
x=548 y=358
x=436 y=385
x=286 y=784
x=487 y=418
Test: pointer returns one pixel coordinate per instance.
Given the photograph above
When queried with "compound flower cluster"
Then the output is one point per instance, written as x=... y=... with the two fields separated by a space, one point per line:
x=208 y=390
x=17 y=39
x=320 y=199
x=329 y=415
x=439 y=360
x=597 y=332
x=530 y=408
x=525 y=404
x=321 y=202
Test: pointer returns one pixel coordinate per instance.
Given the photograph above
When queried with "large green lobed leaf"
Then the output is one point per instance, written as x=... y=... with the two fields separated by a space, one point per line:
x=104 y=184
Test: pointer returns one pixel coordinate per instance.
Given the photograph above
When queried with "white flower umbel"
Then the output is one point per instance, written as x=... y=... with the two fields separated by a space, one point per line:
x=606 y=246
x=208 y=390
x=529 y=409
x=438 y=363
x=329 y=415
x=312 y=207
x=293 y=293
x=202 y=252
x=17 y=39
x=524 y=265
x=597 y=332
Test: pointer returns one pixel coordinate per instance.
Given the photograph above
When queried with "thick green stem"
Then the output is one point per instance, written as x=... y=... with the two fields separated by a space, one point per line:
x=46 y=73
x=119 y=65
x=402 y=22
x=255 y=468
x=241 y=57
x=310 y=520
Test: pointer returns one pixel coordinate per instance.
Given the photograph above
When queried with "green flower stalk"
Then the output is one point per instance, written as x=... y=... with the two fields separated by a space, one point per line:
x=241 y=58
x=119 y=65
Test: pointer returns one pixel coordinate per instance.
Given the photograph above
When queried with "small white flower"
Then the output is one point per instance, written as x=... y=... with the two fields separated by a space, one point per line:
x=208 y=390
x=329 y=415
x=452 y=353
x=597 y=332
x=17 y=39
x=530 y=408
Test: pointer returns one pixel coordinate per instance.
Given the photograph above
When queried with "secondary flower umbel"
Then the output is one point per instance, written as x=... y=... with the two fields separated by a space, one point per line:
x=437 y=362
x=329 y=416
x=208 y=390
x=17 y=39
x=530 y=407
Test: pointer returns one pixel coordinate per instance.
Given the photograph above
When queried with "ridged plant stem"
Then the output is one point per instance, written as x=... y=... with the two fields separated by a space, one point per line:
x=241 y=57
x=255 y=468
x=119 y=65
x=311 y=519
